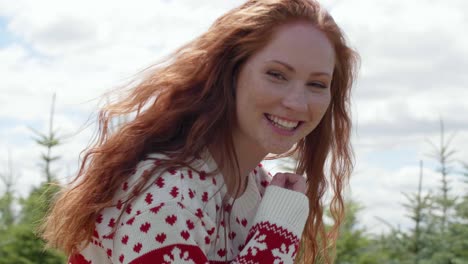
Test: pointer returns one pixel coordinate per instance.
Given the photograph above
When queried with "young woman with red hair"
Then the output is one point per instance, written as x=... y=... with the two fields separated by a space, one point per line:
x=181 y=182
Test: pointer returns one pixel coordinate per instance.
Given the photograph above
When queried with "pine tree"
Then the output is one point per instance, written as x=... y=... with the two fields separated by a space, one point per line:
x=444 y=201
x=409 y=246
x=418 y=207
x=7 y=215
x=354 y=246
x=49 y=141
x=462 y=207
x=20 y=243
x=443 y=154
x=459 y=229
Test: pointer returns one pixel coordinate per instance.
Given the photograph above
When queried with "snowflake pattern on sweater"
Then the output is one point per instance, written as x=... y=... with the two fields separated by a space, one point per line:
x=177 y=220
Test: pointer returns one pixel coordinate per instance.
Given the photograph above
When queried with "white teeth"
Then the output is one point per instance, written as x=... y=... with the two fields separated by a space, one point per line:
x=283 y=123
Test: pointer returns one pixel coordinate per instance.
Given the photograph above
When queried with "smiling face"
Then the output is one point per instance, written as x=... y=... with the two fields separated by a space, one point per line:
x=283 y=90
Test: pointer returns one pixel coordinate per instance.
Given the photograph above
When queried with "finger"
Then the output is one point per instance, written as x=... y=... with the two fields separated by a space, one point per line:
x=296 y=182
x=279 y=179
x=300 y=186
x=293 y=178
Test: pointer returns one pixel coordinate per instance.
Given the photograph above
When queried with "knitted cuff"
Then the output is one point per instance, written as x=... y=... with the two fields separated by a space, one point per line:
x=287 y=208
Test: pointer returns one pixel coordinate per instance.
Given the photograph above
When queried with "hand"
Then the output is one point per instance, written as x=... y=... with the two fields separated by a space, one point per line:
x=290 y=181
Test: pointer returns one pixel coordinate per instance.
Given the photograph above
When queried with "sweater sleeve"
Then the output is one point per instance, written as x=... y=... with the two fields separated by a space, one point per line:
x=276 y=231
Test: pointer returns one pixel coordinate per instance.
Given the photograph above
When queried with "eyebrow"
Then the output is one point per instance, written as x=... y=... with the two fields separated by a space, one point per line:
x=291 y=68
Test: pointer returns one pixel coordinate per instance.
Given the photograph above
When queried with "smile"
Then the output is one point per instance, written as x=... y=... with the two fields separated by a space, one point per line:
x=283 y=123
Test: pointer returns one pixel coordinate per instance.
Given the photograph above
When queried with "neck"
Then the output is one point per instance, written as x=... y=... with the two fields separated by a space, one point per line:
x=248 y=158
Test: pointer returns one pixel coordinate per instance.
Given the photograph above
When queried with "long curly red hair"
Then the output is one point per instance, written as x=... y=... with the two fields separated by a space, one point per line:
x=187 y=103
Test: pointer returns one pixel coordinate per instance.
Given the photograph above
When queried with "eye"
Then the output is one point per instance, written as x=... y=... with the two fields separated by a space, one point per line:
x=277 y=75
x=318 y=85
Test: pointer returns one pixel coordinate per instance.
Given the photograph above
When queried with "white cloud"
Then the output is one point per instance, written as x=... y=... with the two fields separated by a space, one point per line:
x=414 y=61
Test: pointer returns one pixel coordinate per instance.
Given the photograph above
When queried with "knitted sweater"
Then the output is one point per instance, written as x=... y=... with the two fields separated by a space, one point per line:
x=177 y=220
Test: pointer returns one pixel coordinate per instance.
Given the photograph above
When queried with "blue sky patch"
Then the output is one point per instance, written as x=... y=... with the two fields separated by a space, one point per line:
x=5 y=36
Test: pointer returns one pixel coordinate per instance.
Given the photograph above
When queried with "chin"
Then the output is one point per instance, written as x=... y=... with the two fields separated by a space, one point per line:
x=279 y=149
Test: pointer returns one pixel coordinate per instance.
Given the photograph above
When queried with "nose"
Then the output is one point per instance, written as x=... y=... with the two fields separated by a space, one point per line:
x=295 y=99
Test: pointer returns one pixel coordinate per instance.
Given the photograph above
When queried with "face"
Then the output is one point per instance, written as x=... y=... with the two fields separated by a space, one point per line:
x=283 y=90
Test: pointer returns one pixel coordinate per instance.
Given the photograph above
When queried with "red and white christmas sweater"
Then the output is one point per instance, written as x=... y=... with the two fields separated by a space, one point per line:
x=176 y=220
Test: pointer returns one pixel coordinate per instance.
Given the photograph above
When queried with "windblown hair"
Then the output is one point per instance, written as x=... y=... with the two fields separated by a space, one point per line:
x=187 y=103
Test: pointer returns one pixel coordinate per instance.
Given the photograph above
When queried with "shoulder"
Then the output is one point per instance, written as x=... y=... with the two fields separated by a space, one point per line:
x=188 y=185
x=186 y=188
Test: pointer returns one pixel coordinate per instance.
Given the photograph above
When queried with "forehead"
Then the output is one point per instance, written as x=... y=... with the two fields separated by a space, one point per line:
x=301 y=45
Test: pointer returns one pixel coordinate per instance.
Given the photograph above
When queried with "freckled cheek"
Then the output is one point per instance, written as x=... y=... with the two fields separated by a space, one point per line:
x=319 y=105
x=259 y=87
x=261 y=95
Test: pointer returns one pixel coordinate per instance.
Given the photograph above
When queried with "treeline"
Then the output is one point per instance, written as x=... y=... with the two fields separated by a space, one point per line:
x=439 y=232
x=19 y=240
x=439 y=221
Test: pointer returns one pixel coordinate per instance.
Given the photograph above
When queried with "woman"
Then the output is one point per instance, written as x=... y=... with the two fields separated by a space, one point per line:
x=182 y=181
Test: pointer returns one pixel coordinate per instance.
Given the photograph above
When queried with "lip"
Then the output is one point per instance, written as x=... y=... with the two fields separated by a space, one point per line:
x=280 y=131
x=284 y=118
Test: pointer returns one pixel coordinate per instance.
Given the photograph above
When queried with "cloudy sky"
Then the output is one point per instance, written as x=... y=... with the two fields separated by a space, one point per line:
x=413 y=73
